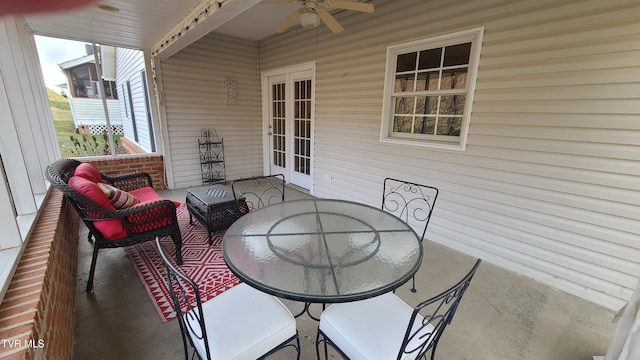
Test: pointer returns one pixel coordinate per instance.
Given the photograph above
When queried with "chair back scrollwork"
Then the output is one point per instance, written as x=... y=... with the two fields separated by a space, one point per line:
x=412 y=203
x=260 y=191
x=430 y=318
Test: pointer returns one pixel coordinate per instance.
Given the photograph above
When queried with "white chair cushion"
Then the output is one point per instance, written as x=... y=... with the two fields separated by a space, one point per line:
x=244 y=323
x=370 y=329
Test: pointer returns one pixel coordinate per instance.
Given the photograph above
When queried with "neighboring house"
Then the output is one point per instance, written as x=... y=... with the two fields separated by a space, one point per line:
x=536 y=159
x=85 y=96
x=131 y=83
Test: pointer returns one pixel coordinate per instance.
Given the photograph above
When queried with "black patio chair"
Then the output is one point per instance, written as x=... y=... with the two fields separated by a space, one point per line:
x=139 y=223
x=385 y=327
x=259 y=191
x=411 y=202
x=240 y=323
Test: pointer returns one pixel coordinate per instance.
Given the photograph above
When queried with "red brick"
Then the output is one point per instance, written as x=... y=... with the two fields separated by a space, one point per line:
x=42 y=292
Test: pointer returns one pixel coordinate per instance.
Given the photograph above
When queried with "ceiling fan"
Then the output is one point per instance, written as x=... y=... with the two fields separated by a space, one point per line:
x=312 y=11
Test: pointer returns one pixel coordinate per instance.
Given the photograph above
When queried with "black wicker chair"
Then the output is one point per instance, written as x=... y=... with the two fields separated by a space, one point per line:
x=141 y=223
x=242 y=322
x=411 y=202
x=259 y=191
x=385 y=327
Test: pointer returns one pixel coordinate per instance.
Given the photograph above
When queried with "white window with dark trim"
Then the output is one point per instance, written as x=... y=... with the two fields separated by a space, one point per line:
x=428 y=93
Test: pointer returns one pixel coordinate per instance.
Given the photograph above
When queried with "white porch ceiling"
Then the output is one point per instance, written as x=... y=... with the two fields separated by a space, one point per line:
x=144 y=24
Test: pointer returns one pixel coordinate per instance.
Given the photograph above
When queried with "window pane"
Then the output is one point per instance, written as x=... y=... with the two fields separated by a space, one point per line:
x=457 y=54
x=424 y=125
x=404 y=83
x=108 y=87
x=454 y=79
x=404 y=105
x=402 y=124
x=449 y=125
x=452 y=104
x=427 y=81
x=420 y=104
x=430 y=59
x=406 y=62
x=94 y=73
x=431 y=105
x=80 y=80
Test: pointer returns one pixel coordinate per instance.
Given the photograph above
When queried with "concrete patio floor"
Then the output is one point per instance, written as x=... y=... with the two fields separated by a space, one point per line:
x=502 y=316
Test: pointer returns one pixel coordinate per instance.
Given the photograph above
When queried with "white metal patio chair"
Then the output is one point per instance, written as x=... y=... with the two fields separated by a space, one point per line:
x=385 y=327
x=240 y=323
x=412 y=203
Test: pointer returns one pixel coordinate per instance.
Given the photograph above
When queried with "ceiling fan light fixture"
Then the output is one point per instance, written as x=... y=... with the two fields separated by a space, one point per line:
x=309 y=20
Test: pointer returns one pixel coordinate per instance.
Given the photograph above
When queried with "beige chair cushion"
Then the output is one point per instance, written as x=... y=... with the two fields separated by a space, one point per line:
x=371 y=329
x=243 y=323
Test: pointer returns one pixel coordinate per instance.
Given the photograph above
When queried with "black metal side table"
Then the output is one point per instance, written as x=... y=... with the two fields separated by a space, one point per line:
x=214 y=207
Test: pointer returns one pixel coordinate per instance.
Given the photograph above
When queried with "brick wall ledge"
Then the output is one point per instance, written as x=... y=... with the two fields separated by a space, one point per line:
x=153 y=164
x=37 y=315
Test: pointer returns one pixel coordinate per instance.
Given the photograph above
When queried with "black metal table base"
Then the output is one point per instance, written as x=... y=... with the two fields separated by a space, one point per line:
x=307 y=309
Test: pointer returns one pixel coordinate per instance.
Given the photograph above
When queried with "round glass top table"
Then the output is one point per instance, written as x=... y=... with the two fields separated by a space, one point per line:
x=322 y=251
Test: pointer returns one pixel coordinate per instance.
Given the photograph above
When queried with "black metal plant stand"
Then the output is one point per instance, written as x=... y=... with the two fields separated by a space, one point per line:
x=211 y=149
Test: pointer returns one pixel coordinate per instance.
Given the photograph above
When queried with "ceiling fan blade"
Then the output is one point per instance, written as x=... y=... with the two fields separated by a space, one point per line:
x=288 y=21
x=349 y=5
x=330 y=21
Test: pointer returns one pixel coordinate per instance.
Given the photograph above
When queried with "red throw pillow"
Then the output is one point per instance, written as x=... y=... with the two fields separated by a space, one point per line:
x=120 y=199
x=110 y=229
x=88 y=171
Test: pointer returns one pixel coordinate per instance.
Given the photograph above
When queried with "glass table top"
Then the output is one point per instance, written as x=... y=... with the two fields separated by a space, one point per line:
x=319 y=250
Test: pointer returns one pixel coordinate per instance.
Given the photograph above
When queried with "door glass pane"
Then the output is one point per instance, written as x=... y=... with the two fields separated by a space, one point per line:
x=302 y=126
x=278 y=124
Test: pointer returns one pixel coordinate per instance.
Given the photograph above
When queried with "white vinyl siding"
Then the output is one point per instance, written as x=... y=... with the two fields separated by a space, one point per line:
x=129 y=64
x=88 y=111
x=548 y=185
x=193 y=82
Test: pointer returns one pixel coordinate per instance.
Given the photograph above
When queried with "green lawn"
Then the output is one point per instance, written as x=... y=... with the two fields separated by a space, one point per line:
x=72 y=144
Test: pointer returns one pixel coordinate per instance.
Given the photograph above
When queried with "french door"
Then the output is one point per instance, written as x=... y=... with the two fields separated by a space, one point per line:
x=289 y=107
